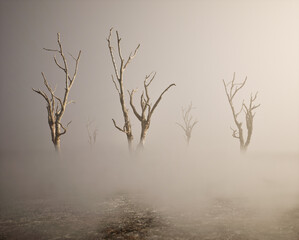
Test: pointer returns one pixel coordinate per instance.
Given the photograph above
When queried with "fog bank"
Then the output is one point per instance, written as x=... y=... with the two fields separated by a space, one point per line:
x=182 y=181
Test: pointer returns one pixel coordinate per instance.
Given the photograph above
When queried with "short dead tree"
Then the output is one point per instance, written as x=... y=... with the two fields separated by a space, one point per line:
x=188 y=124
x=56 y=106
x=147 y=109
x=119 y=85
x=92 y=134
x=231 y=89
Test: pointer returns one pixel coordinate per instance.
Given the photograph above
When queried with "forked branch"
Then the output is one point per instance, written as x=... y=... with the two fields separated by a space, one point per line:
x=118 y=82
x=146 y=108
x=231 y=89
x=56 y=105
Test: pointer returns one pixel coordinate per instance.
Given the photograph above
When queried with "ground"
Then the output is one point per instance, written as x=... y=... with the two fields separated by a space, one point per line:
x=130 y=216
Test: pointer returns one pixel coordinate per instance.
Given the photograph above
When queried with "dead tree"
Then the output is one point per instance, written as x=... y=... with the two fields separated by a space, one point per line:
x=56 y=106
x=119 y=85
x=231 y=89
x=92 y=134
x=189 y=123
x=147 y=109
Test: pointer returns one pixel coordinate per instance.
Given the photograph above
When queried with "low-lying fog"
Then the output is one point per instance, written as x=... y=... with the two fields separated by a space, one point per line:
x=176 y=179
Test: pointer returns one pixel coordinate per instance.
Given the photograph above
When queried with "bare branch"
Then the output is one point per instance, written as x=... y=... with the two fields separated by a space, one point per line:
x=142 y=102
x=111 y=53
x=56 y=109
x=246 y=108
x=64 y=128
x=131 y=56
x=115 y=84
x=65 y=64
x=253 y=98
x=72 y=56
x=145 y=84
x=43 y=94
x=76 y=66
x=232 y=85
x=237 y=114
x=194 y=123
x=181 y=126
x=60 y=101
x=47 y=85
x=56 y=62
x=255 y=106
x=238 y=88
x=70 y=102
x=235 y=132
x=160 y=97
x=132 y=105
x=147 y=77
x=110 y=33
x=119 y=49
x=122 y=130
x=51 y=50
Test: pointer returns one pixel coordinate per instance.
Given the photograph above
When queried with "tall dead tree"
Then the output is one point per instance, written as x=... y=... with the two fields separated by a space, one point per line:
x=119 y=85
x=56 y=106
x=231 y=89
x=189 y=123
x=147 y=109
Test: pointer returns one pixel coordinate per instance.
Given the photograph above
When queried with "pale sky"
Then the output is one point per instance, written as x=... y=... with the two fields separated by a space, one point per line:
x=194 y=44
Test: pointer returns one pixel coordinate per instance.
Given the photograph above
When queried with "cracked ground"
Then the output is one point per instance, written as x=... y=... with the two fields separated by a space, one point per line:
x=130 y=216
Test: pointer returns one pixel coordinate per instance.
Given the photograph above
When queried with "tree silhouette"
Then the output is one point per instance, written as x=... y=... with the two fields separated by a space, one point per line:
x=189 y=123
x=147 y=109
x=56 y=106
x=119 y=85
x=231 y=89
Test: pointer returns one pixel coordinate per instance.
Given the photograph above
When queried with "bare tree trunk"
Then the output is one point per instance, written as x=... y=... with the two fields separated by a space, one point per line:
x=241 y=138
x=147 y=109
x=57 y=145
x=231 y=90
x=56 y=106
x=243 y=148
x=130 y=143
x=144 y=129
x=119 y=85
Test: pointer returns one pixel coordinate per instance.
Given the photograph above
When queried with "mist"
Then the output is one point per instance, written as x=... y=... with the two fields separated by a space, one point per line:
x=205 y=189
x=183 y=183
x=176 y=178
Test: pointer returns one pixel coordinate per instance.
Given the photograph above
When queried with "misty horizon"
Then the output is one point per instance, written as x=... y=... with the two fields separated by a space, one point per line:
x=193 y=55
x=222 y=68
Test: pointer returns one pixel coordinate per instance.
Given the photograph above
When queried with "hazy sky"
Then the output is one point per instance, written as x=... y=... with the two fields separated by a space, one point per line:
x=194 y=44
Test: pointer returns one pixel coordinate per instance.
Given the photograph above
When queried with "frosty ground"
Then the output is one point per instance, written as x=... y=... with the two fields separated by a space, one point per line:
x=128 y=216
x=203 y=199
